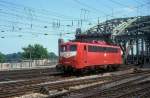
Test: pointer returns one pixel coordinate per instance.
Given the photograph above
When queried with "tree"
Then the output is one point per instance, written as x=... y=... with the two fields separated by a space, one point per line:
x=35 y=52
x=2 y=57
x=13 y=56
x=52 y=55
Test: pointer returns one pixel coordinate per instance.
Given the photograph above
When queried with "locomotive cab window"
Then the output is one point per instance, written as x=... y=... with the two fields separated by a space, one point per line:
x=73 y=48
x=63 y=48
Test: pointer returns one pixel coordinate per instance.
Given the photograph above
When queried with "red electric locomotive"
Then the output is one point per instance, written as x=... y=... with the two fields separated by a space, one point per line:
x=85 y=56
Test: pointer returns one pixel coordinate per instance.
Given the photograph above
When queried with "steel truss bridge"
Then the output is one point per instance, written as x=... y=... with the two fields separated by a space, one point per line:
x=132 y=34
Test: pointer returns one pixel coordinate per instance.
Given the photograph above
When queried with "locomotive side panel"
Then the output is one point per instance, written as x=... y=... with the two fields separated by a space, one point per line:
x=80 y=57
x=112 y=55
x=95 y=58
x=101 y=56
x=119 y=56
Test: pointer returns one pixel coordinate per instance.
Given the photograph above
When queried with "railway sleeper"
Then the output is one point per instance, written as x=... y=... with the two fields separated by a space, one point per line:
x=44 y=90
x=105 y=86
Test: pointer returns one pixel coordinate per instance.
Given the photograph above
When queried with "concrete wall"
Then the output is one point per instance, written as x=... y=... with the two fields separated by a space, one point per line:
x=27 y=64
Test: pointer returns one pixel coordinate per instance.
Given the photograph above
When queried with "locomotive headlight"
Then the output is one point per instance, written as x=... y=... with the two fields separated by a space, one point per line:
x=121 y=52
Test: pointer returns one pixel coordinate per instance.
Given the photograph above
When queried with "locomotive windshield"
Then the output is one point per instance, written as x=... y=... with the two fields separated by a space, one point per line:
x=73 y=48
x=65 y=48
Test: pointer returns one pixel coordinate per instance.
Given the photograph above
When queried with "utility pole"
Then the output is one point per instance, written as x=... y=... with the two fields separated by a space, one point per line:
x=60 y=41
x=98 y=21
x=112 y=13
x=30 y=56
x=84 y=14
x=30 y=59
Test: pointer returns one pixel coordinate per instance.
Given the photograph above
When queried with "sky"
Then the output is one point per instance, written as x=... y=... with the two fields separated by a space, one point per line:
x=24 y=22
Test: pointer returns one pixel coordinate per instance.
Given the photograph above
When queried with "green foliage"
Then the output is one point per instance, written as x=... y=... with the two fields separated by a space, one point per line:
x=52 y=55
x=35 y=52
x=13 y=56
x=2 y=57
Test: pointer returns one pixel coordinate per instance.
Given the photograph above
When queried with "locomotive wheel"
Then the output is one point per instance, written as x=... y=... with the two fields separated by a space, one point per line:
x=59 y=68
x=67 y=70
x=78 y=72
x=115 y=68
x=109 y=68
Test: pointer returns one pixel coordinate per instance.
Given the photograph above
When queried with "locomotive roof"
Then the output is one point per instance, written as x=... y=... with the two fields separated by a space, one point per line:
x=93 y=43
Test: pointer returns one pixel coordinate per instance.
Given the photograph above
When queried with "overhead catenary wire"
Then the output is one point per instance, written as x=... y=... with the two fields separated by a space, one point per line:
x=124 y=5
x=25 y=17
x=37 y=14
x=16 y=11
x=23 y=23
x=43 y=11
x=37 y=20
x=87 y=6
x=55 y=13
x=114 y=12
x=70 y=20
x=21 y=34
x=43 y=21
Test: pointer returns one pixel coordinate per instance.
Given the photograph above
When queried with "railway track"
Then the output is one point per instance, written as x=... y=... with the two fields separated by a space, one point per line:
x=129 y=89
x=24 y=87
x=140 y=90
x=27 y=73
x=95 y=90
x=21 y=87
x=10 y=75
x=134 y=89
x=45 y=80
